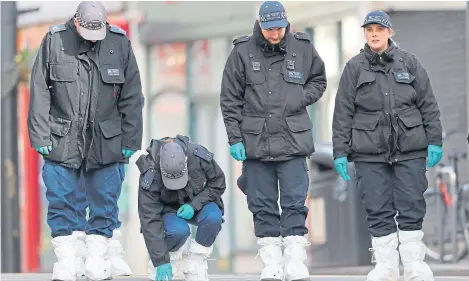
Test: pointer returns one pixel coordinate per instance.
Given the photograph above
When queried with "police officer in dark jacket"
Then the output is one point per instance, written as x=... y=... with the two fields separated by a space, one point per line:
x=269 y=79
x=386 y=120
x=85 y=114
x=180 y=182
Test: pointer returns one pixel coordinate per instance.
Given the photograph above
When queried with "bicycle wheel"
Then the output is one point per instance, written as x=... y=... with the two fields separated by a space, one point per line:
x=438 y=228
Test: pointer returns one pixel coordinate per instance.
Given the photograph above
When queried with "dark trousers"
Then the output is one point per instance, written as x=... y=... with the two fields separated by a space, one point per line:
x=208 y=221
x=389 y=189
x=82 y=203
x=260 y=182
x=102 y=189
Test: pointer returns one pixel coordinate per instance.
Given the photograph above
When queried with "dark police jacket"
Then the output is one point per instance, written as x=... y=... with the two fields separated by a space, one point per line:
x=85 y=94
x=264 y=95
x=385 y=109
x=206 y=184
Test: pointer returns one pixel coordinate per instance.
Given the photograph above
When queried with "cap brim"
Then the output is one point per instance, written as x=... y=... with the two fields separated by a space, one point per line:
x=275 y=23
x=373 y=22
x=93 y=35
x=175 y=184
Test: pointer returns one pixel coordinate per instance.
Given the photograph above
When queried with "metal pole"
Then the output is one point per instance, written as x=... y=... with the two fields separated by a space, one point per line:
x=467 y=72
x=148 y=90
x=192 y=122
x=11 y=248
x=231 y=194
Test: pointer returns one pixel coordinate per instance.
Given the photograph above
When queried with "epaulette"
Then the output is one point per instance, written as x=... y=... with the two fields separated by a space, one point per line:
x=241 y=39
x=203 y=153
x=302 y=36
x=117 y=30
x=57 y=28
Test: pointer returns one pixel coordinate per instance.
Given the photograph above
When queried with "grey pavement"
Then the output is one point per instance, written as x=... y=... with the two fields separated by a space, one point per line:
x=457 y=269
x=45 y=277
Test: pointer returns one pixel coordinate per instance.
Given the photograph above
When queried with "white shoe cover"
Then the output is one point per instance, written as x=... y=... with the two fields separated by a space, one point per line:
x=81 y=252
x=412 y=252
x=295 y=256
x=386 y=257
x=116 y=256
x=97 y=265
x=195 y=264
x=65 y=250
x=272 y=258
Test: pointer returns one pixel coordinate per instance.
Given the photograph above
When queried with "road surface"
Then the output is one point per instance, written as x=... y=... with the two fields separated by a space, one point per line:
x=46 y=277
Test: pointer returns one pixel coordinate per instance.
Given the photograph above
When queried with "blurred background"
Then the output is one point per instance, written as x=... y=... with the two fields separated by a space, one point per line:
x=181 y=49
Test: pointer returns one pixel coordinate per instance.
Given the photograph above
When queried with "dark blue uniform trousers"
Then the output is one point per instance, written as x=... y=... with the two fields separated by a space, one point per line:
x=102 y=190
x=82 y=204
x=208 y=221
x=387 y=189
x=260 y=182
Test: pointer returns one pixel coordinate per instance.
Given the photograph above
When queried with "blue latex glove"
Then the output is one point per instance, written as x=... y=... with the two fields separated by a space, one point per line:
x=341 y=167
x=43 y=150
x=238 y=152
x=186 y=212
x=164 y=272
x=435 y=153
x=127 y=152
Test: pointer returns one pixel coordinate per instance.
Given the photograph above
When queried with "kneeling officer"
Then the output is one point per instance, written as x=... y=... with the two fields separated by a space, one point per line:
x=180 y=183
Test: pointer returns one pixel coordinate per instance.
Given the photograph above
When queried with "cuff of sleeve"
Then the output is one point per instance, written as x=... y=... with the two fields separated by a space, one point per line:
x=130 y=143
x=235 y=141
x=157 y=263
x=196 y=205
x=435 y=142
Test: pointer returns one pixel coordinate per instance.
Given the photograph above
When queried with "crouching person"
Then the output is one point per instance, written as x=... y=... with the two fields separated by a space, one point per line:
x=180 y=183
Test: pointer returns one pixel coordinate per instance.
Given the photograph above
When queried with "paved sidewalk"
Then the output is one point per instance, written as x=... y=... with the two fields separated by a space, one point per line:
x=46 y=277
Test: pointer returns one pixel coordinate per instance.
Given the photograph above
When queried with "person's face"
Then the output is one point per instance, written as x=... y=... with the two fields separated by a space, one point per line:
x=77 y=25
x=377 y=37
x=274 y=35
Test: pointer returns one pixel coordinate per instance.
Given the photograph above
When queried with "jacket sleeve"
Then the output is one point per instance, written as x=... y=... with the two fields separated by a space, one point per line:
x=231 y=96
x=150 y=212
x=214 y=188
x=40 y=97
x=344 y=111
x=427 y=104
x=316 y=82
x=130 y=104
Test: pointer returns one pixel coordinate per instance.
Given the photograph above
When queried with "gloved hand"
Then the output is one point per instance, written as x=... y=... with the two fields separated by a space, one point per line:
x=238 y=152
x=341 y=167
x=43 y=150
x=127 y=152
x=164 y=272
x=186 y=212
x=435 y=153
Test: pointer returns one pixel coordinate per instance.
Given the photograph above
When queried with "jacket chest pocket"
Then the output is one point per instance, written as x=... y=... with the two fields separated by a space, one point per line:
x=368 y=92
x=254 y=71
x=294 y=75
x=403 y=89
x=62 y=76
x=293 y=70
x=113 y=78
